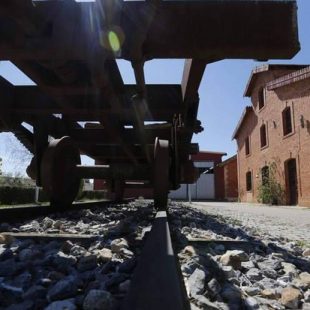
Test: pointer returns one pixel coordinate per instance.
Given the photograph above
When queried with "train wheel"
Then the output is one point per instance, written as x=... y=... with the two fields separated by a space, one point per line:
x=58 y=171
x=161 y=173
x=119 y=188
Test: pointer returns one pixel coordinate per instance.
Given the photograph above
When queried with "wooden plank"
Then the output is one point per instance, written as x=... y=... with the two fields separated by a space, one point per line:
x=52 y=236
x=179 y=29
x=129 y=135
x=192 y=75
x=162 y=102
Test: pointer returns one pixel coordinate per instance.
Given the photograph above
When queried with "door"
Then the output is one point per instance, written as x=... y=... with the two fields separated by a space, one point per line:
x=204 y=187
x=291 y=182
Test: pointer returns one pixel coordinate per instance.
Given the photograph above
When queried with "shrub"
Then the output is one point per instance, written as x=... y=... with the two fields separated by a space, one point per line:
x=10 y=195
x=270 y=191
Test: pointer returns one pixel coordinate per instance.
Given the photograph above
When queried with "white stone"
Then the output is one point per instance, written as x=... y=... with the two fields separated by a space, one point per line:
x=306 y=252
x=118 y=244
x=290 y=297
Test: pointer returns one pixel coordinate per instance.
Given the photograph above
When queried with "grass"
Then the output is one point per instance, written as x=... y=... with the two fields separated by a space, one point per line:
x=302 y=243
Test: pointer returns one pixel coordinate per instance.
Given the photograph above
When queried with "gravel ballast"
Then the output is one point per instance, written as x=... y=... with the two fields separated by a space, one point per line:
x=225 y=264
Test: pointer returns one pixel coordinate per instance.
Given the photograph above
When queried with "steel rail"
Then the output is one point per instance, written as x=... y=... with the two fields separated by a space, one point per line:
x=157 y=282
x=15 y=214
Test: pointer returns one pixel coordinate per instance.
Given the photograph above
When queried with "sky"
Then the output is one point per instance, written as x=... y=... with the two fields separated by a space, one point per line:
x=221 y=94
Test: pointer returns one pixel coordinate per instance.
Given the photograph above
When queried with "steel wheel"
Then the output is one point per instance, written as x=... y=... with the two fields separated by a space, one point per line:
x=119 y=188
x=161 y=173
x=58 y=171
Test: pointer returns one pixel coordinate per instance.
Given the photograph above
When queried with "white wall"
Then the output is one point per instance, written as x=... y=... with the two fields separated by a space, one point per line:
x=202 y=189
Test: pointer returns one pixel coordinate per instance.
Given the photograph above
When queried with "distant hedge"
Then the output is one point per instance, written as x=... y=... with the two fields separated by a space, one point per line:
x=10 y=195
x=93 y=195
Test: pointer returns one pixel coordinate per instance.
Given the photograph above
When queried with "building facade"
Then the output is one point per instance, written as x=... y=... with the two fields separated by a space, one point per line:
x=210 y=185
x=230 y=174
x=273 y=135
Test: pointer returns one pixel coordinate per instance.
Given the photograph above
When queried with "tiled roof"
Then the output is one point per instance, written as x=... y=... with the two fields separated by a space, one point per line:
x=290 y=78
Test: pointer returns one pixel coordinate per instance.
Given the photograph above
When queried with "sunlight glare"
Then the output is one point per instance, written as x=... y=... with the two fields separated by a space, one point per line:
x=114 y=41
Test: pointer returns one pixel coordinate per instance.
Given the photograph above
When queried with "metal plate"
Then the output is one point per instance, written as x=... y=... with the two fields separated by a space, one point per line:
x=161 y=173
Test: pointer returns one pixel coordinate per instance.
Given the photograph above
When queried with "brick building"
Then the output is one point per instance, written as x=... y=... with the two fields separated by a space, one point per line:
x=275 y=132
x=210 y=185
x=230 y=175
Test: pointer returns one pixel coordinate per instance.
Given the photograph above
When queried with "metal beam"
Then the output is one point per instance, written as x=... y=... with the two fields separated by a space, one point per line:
x=115 y=172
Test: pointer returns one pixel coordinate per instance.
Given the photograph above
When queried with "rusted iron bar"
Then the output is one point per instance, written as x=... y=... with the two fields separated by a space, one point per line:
x=115 y=172
x=115 y=151
x=129 y=135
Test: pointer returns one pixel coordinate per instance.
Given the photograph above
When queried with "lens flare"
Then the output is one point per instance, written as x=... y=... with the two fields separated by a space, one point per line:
x=114 y=41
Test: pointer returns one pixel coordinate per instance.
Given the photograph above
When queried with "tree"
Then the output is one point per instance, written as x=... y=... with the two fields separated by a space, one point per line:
x=15 y=155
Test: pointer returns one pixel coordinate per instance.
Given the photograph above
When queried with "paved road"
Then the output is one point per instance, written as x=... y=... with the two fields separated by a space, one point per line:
x=280 y=221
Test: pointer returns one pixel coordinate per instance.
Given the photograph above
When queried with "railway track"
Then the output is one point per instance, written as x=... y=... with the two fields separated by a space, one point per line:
x=157 y=282
x=20 y=213
x=129 y=256
x=157 y=275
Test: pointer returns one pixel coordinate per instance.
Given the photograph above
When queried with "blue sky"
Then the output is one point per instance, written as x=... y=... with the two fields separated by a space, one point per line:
x=221 y=92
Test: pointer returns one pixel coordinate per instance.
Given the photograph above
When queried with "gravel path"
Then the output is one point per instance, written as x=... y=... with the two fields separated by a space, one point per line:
x=292 y=223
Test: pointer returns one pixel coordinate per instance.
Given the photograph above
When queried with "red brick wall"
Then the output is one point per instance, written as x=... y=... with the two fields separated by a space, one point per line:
x=279 y=148
x=208 y=156
x=129 y=192
x=219 y=183
x=231 y=179
x=99 y=184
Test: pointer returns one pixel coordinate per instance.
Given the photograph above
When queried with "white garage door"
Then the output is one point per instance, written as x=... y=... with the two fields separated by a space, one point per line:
x=180 y=193
x=203 y=189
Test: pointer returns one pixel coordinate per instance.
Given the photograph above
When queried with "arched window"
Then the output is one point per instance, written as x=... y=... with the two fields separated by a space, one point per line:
x=261 y=98
x=287 y=121
x=248 y=177
x=263 y=136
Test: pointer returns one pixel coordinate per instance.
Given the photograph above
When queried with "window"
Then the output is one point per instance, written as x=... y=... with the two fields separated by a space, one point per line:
x=287 y=121
x=265 y=175
x=263 y=136
x=247 y=146
x=261 y=98
x=248 y=181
